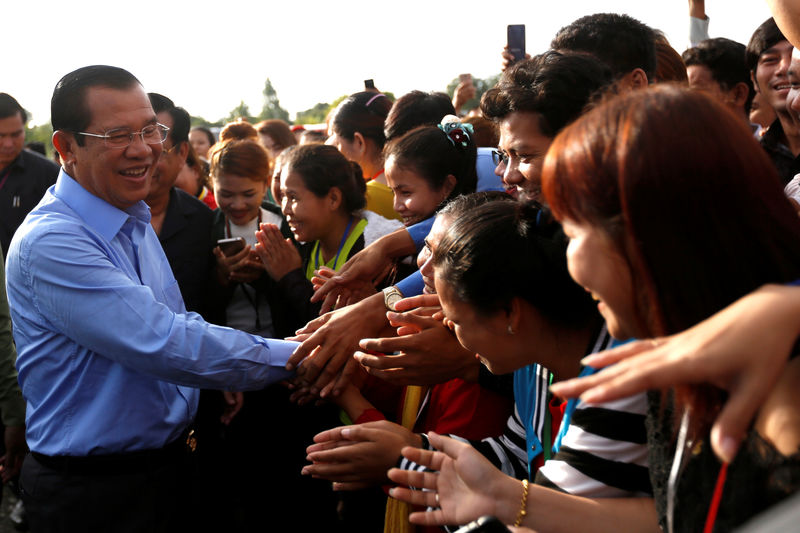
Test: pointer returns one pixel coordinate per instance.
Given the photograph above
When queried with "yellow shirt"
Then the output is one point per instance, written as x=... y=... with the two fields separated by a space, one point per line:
x=380 y=199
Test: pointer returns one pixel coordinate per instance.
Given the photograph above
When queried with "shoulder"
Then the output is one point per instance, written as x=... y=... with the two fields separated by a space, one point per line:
x=189 y=205
x=39 y=166
x=378 y=226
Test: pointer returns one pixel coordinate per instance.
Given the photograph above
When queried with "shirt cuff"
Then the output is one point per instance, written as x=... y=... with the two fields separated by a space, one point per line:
x=412 y=285
x=279 y=353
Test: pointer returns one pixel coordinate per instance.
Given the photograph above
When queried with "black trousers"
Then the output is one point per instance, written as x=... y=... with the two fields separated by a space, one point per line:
x=149 y=499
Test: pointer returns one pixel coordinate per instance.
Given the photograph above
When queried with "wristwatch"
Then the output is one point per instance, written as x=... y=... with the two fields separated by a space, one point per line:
x=391 y=296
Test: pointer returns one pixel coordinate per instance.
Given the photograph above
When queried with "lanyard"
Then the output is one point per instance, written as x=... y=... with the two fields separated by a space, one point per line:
x=344 y=249
x=6 y=174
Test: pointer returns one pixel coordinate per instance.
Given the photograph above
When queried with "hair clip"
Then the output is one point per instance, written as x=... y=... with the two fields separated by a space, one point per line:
x=457 y=133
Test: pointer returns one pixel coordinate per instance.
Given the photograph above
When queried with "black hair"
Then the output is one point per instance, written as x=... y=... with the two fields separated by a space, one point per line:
x=765 y=37
x=434 y=155
x=69 y=110
x=322 y=167
x=555 y=85
x=504 y=250
x=416 y=109
x=362 y=113
x=620 y=41
x=207 y=132
x=181 y=121
x=725 y=60
x=10 y=107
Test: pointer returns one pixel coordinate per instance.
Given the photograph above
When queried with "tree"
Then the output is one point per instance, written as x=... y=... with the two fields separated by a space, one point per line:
x=272 y=106
x=240 y=111
x=481 y=86
x=42 y=133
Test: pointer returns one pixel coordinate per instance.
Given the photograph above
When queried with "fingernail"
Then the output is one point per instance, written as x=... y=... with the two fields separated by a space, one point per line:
x=728 y=446
x=289 y=366
x=346 y=432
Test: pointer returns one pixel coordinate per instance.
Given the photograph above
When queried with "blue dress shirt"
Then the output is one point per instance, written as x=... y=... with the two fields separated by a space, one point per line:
x=108 y=358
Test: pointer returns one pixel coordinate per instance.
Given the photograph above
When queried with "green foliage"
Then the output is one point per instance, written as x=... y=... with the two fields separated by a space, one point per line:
x=241 y=111
x=43 y=134
x=481 y=86
x=314 y=115
x=272 y=106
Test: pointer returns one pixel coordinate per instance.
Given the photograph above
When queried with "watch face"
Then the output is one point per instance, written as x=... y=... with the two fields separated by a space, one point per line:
x=390 y=298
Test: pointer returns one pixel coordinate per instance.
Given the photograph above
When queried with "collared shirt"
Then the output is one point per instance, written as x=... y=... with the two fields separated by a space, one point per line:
x=22 y=184
x=108 y=359
x=773 y=142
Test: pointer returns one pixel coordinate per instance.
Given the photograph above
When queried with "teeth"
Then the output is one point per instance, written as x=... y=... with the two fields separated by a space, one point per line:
x=135 y=172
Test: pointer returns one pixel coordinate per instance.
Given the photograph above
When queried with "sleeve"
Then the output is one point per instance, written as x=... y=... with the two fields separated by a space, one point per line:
x=419 y=231
x=411 y=285
x=80 y=293
x=12 y=405
x=698 y=30
x=506 y=452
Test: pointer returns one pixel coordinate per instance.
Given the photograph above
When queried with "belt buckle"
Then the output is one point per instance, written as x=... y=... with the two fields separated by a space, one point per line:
x=191 y=441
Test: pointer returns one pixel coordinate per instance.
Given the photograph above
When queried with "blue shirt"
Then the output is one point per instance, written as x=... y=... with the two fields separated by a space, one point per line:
x=108 y=358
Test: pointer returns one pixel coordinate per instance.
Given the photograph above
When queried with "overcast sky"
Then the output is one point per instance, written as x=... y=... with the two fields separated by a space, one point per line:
x=209 y=56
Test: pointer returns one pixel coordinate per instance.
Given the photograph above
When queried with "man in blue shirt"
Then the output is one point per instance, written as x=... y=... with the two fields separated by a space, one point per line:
x=109 y=361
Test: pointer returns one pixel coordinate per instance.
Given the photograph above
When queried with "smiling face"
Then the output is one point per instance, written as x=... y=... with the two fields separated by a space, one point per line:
x=771 y=78
x=120 y=176
x=307 y=214
x=414 y=198
x=239 y=197
x=596 y=265
x=525 y=145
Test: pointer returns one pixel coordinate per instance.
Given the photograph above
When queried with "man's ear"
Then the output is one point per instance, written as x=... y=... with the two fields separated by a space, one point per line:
x=65 y=144
x=183 y=151
x=739 y=93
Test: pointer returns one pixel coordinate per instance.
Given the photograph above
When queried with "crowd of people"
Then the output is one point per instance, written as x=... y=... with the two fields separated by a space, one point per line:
x=575 y=309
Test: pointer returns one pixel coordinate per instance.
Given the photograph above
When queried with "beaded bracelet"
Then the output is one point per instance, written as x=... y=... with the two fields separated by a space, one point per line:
x=523 y=511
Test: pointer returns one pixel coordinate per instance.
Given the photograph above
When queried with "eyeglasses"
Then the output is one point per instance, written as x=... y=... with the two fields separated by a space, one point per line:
x=499 y=156
x=123 y=137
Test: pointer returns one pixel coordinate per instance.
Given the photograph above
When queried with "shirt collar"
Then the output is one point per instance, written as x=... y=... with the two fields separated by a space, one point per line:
x=98 y=214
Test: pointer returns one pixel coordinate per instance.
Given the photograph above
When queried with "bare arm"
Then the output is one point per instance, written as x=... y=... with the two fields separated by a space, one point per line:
x=718 y=350
x=468 y=486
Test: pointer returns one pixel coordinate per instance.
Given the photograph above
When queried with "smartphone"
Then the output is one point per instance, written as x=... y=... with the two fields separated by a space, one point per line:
x=485 y=524
x=369 y=85
x=516 y=41
x=465 y=78
x=231 y=246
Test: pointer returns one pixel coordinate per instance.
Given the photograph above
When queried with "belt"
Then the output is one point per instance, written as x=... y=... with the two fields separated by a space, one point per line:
x=124 y=463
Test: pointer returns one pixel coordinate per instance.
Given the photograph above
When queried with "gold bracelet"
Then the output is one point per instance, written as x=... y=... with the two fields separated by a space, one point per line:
x=523 y=511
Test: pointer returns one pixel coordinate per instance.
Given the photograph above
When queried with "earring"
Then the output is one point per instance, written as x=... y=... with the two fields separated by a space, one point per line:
x=510 y=330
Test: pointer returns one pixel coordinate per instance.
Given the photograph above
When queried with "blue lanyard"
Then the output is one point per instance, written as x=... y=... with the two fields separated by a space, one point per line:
x=341 y=245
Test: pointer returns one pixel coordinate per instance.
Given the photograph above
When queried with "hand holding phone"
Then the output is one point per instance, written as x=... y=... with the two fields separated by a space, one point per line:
x=231 y=246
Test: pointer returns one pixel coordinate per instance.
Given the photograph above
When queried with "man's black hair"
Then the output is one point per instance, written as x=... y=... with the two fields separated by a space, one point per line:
x=724 y=58
x=765 y=37
x=620 y=41
x=555 y=85
x=181 y=121
x=10 y=107
x=69 y=110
